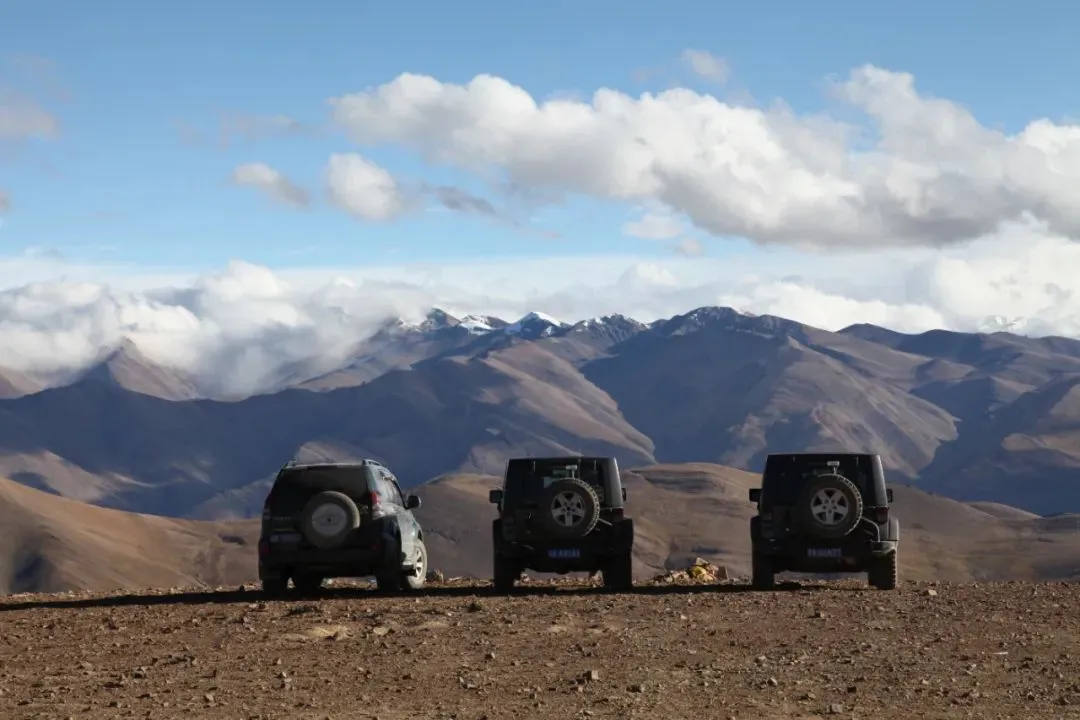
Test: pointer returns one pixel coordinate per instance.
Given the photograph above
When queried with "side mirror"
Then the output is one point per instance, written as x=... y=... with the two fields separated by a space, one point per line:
x=755 y=495
x=888 y=494
x=624 y=494
x=495 y=497
x=412 y=502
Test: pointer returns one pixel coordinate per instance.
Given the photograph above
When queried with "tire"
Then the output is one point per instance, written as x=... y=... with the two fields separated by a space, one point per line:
x=415 y=579
x=308 y=583
x=884 y=572
x=275 y=586
x=831 y=506
x=569 y=508
x=504 y=573
x=328 y=518
x=764 y=577
x=619 y=572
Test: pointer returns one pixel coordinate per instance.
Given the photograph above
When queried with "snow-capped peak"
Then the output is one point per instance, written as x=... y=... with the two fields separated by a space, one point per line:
x=477 y=324
x=536 y=324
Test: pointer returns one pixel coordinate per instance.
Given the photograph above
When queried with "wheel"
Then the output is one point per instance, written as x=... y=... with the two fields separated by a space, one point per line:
x=505 y=573
x=328 y=518
x=764 y=578
x=619 y=572
x=831 y=506
x=308 y=583
x=275 y=585
x=884 y=572
x=415 y=579
x=570 y=508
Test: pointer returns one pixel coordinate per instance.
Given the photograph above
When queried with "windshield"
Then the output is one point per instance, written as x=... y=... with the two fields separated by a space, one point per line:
x=293 y=488
x=527 y=479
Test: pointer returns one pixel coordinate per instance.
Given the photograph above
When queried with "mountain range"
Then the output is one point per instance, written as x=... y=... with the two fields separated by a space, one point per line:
x=975 y=417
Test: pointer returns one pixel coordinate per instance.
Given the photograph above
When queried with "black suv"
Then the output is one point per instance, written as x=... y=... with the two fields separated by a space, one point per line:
x=329 y=520
x=824 y=513
x=560 y=515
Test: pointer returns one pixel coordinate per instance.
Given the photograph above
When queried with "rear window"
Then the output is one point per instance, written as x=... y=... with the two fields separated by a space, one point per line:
x=526 y=479
x=787 y=475
x=293 y=488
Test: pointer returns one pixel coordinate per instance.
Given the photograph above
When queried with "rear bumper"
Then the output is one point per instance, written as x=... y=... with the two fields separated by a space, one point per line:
x=807 y=554
x=342 y=562
x=586 y=554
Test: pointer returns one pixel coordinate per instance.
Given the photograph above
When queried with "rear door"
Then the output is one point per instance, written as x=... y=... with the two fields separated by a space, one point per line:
x=293 y=488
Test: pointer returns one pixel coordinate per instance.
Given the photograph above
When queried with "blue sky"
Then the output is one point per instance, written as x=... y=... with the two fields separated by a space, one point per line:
x=123 y=183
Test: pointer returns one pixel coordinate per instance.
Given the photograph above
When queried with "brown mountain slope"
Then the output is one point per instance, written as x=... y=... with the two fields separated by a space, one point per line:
x=445 y=414
x=728 y=388
x=50 y=543
x=128 y=368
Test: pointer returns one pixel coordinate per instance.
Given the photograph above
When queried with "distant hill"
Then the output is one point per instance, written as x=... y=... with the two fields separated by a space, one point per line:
x=682 y=511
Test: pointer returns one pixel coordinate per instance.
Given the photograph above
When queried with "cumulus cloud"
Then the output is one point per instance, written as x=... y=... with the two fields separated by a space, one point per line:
x=689 y=247
x=362 y=188
x=244 y=328
x=706 y=65
x=927 y=173
x=275 y=185
x=653 y=226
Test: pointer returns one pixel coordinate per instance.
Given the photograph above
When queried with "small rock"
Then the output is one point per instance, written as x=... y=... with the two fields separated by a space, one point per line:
x=819 y=614
x=592 y=676
x=930 y=592
x=835 y=709
x=772 y=682
x=380 y=630
x=489 y=656
x=637 y=688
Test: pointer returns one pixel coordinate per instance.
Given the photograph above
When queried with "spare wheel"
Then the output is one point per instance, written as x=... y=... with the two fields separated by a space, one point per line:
x=569 y=508
x=328 y=518
x=831 y=506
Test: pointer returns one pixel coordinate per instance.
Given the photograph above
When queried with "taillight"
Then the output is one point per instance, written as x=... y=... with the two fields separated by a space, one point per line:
x=881 y=515
x=617 y=513
x=264 y=548
x=374 y=499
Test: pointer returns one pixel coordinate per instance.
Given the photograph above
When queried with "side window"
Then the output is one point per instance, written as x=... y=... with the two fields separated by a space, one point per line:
x=395 y=490
x=386 y=488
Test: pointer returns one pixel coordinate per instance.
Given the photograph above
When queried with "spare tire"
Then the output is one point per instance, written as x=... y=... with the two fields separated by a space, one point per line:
x=569 y=508
x=831 y=506
x=328 y=518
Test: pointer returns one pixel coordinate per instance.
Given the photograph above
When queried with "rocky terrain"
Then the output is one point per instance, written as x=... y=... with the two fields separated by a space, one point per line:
x=816 y=650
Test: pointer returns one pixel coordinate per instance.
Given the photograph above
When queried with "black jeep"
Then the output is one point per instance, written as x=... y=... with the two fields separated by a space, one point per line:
x=824 y=513
x=330 y=520
x=560 y=515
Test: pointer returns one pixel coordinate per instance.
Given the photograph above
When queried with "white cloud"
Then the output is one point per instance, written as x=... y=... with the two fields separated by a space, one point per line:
x=239 y=328
x=362 y=188
x=689 y=247
x=266 y=179
x=653 y=226
x=707 y=65
x=933 y=175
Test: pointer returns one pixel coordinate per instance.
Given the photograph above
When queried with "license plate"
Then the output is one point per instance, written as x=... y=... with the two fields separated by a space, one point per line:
x=564 y=553
x=823 y=552
x=285 y=538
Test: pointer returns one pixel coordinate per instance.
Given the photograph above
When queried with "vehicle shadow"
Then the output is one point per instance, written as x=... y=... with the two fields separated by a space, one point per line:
x=225 y=597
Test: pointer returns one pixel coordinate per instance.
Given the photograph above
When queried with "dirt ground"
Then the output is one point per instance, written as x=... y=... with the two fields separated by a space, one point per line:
x=815 y=649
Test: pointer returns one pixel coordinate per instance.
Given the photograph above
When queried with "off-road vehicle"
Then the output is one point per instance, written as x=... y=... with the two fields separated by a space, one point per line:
x=326 y=520
x=824 y=513
x=560 y=515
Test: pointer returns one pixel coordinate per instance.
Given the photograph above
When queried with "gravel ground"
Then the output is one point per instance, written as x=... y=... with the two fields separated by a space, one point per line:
x=815 y=649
